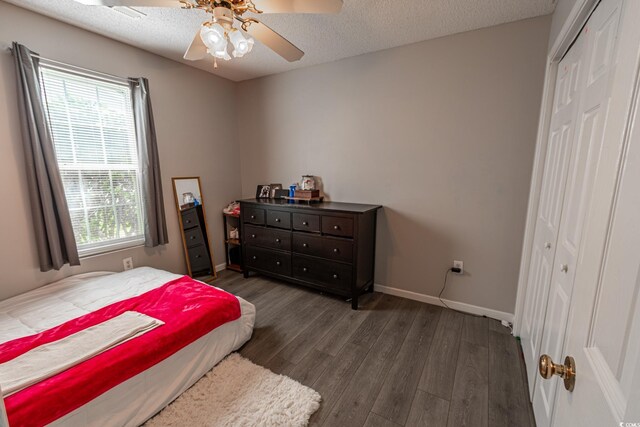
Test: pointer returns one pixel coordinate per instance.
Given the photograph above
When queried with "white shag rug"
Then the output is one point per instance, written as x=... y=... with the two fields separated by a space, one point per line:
x=239 y=393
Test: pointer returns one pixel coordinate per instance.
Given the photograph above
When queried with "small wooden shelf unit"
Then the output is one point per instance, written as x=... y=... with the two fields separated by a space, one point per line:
x=232 y=247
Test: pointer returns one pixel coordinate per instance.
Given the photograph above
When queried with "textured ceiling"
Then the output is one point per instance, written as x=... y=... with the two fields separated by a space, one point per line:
x=362 y=26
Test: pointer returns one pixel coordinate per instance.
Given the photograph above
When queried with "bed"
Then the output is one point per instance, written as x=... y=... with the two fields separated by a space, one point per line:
x=139 y=397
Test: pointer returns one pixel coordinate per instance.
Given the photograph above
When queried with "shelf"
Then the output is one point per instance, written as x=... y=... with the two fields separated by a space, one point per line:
x=232 y=246
x=234 y=267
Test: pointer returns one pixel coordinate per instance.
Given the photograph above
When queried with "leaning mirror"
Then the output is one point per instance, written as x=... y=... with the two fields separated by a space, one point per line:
x=193 y=226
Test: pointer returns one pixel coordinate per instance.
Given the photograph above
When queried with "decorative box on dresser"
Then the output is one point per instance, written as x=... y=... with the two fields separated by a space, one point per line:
x=329 y=246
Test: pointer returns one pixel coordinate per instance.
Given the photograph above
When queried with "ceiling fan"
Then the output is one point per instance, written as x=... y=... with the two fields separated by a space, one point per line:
x=216 y=34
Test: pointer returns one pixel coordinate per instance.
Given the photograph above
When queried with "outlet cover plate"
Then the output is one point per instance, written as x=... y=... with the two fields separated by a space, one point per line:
x=460 y=265
x=127 y=263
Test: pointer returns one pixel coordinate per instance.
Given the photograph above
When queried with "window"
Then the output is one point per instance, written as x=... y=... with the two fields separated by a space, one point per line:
x=94 y=137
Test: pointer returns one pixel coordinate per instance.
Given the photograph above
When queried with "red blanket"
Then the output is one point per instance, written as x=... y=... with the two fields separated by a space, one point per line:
x=189 y=309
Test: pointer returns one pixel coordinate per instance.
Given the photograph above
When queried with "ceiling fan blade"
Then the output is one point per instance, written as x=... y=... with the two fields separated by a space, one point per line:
x=197 y=50
x=299 y=6
x=132 y=3
x=275 y=41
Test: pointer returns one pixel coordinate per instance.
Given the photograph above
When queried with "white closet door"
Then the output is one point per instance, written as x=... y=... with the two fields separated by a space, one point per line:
x=561 y=137
x=603 y=334
x=594 y=92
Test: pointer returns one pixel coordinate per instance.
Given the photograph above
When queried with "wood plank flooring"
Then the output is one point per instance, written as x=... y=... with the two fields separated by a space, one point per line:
x=393 y=362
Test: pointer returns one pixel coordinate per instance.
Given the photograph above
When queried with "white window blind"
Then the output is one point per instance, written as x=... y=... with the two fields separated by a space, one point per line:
x=94 y=137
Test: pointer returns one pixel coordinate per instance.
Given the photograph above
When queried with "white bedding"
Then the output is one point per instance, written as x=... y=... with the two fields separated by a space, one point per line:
x=50 y=359
x=135 y=400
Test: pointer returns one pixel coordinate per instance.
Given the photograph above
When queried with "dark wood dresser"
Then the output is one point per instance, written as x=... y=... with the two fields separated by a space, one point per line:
x=328 y=246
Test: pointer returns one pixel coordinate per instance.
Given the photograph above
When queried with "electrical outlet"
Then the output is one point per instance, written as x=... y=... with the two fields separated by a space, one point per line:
x=460 y=265
x=128 y=263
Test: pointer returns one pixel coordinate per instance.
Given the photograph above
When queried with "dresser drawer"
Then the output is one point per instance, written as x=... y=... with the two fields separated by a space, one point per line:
x=337 y=226
x=305 y=222
x=253 y=216
x=199 y=258
x=270 y=261
x=267 y=238
x=325 y=273
x=189 y=218
x=193 y=237
x=279 y=219
x=333 y=249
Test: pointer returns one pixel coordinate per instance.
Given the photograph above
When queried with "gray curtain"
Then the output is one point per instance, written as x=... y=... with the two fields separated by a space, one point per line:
x=155 y=230
x=52 y=222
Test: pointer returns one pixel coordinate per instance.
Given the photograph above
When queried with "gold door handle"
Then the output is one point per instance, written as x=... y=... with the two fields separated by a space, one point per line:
x=567 y=372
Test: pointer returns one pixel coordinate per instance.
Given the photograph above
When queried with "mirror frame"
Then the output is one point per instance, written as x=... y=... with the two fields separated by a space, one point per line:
x=206 y=226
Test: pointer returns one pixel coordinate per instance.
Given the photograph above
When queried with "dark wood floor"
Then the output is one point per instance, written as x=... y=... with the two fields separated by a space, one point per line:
x=394 y=362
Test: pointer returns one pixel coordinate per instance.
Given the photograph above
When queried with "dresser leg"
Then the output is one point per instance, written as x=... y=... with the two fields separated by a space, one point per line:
x=245 y=274
x=354 y=302
x=370 y=289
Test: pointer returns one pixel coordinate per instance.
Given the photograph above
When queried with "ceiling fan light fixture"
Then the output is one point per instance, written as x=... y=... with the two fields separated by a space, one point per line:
x=213 y=36
x=241 y=44
x=221 y=54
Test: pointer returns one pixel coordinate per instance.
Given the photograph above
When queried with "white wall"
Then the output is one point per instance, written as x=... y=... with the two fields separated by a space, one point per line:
x=191 y=142
x=441 y=133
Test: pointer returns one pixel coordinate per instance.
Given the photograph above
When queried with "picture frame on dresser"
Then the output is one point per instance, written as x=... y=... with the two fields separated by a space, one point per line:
x=328 y=246
x=274 y=188
x=263 y=191
x=192 y=217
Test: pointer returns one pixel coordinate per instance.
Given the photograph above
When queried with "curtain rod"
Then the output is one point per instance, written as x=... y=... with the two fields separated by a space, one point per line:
x=86 y=71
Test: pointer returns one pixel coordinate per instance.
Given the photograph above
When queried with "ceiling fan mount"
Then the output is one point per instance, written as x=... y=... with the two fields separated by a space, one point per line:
x=215 y=35
x=238 y=7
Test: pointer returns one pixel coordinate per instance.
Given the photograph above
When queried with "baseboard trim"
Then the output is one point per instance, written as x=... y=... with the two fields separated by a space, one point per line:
x=221 y=267
x=467 y=308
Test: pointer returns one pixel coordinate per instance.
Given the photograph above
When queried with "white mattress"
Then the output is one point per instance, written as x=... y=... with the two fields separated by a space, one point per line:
x=137 y=399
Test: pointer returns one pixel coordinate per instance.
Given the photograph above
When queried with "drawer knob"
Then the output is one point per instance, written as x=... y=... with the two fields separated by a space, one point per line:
x=197 y=256
x=188 y=221
x=305 y=223
x=304 y=245
x=254 y=257
x=335 y=276
x=193 y=237
x=336 y=227
x=277 y=240
x=277 y=219
x=305 y=269
x=253 y=236
x=336 y=250
x=253 y=217
x=277 y=262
